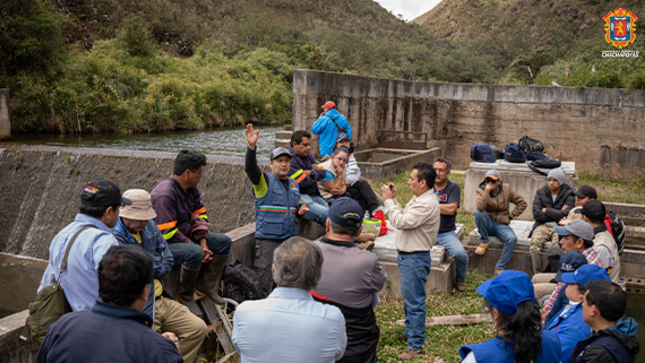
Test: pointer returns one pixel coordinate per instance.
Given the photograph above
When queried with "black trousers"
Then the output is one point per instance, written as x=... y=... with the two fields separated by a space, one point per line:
x=362 y=192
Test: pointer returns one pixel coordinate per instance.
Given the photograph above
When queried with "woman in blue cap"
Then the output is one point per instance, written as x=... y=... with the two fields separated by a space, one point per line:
x=511 y=301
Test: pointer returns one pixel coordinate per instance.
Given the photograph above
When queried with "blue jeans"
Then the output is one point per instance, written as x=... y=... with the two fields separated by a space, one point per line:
x=190 y=255
x=453 y=246
x=317 y=208
x=414 y=269
x=504 y=232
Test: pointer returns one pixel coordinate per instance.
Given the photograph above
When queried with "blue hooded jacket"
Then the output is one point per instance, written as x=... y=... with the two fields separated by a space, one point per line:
x=326 y=130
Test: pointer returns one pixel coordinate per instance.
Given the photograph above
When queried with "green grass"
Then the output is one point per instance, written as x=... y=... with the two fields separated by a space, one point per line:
x=617 y=191
x=441 y=341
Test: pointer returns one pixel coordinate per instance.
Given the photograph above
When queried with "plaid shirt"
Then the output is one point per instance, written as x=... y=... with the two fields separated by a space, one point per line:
x=592 y=258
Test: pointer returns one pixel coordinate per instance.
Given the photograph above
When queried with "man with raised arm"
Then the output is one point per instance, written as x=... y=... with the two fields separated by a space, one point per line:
x=277 y=203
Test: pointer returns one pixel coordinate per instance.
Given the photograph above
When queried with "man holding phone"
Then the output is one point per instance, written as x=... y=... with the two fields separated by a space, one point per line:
x=492 y=216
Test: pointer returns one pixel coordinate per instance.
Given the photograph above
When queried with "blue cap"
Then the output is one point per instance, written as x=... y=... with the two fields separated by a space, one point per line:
x=346 y=212
x=588 y=272
x=570 y=262
x=493 y=174
x=507 y=290
x=342 y=136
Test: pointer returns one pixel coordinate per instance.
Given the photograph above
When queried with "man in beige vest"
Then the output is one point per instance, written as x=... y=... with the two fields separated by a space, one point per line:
x=593 y=212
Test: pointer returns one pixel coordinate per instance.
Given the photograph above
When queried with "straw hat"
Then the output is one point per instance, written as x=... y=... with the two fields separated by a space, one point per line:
x=141 y=208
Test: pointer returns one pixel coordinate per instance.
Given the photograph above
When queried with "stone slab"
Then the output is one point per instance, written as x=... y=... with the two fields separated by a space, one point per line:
x=518 y=175
x=12 y=348
x=440 y=279
x=383 y=170
x=521 y=229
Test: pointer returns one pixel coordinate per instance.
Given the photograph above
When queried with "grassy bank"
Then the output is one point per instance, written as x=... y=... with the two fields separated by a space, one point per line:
x=441 y=341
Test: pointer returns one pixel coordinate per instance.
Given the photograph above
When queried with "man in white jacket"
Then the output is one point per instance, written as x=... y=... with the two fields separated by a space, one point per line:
x=416 y=230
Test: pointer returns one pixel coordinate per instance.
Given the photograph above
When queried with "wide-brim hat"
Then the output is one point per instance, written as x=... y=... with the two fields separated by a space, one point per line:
x=141 y=207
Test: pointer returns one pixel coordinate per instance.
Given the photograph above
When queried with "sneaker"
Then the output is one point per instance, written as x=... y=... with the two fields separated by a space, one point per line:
x=497 y=272
x=409 y=354
x=368 y=246
x=481 y=249
x=460 y=287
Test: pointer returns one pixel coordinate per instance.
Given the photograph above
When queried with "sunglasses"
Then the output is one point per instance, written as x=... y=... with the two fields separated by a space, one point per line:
x=489 y=181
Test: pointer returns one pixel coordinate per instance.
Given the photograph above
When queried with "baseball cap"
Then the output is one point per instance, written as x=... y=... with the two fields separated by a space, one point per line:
x=141 y=207
x=102 y=192
x=279 y=151
x=493 y=174
x=328 y=104
x=585 y=273
x=594 y=210
x=507 y=290
x=577 y=228
x=587 y=191
x=574 y=215
x=346 y=212
x=570 y=262
x=342 y=136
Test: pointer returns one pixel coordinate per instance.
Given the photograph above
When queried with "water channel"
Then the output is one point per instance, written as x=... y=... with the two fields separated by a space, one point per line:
x=229 y=141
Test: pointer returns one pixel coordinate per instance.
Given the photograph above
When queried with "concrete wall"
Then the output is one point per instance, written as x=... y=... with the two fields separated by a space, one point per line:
x=600 y=129
x=42 y=186
x=5 y=121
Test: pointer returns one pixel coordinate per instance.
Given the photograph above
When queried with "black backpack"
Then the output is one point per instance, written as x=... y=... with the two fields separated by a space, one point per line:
x=619 y=231
x=240 y=282
x=527 y=144
x=544 y=164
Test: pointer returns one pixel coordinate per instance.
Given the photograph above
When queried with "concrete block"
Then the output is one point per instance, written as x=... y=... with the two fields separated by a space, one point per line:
x=12 y=348
x=5 y=120
x=520 y=260
x=519 y=176
x=285 y=143
x=630 y=214
x=440 y=279
x=283 y=134
x=384 y=245
x=374 y=170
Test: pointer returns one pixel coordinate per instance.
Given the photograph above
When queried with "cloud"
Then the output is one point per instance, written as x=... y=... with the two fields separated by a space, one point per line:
x=410 y=9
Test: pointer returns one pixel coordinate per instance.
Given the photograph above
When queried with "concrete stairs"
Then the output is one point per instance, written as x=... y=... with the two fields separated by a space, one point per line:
x=283 y=138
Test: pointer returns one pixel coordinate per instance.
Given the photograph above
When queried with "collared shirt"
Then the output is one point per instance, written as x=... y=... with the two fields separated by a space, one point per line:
x=80 y=280
x=107 y=333
x=350 y=275
x=417 y=224
x=592 y=258
x=288 y=326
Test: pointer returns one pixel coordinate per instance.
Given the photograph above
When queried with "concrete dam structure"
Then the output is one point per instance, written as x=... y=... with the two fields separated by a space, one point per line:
x=600 y=129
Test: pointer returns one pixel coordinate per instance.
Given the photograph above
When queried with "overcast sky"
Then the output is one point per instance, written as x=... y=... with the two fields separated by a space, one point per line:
x=409 y=8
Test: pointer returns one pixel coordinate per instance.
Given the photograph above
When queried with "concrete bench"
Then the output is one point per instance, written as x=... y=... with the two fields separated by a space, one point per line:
x=441 y=276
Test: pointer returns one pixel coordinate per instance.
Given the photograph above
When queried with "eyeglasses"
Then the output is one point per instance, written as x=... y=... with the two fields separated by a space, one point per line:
x=489 y=181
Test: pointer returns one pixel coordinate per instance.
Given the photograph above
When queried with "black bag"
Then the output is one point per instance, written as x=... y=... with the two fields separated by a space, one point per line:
x=544 y=164
x=50 y=303
x=536 y=155
x=619 y=231
x=513 y=153
x=482 y=153
x=527 y=144
x=240 y=282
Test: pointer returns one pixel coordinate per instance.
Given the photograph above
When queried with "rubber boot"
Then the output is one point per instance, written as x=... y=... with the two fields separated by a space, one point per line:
x=536 y=261
x=186 y=291
x=210 y=278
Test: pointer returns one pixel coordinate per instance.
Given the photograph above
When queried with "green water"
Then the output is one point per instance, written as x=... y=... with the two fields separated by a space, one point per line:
x=231 y=141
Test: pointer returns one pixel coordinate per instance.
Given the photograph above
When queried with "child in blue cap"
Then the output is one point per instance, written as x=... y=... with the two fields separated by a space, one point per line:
x=568 y=323
x=511 y=301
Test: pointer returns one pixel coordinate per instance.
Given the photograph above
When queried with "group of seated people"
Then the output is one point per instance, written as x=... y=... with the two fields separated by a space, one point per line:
x=319 y=296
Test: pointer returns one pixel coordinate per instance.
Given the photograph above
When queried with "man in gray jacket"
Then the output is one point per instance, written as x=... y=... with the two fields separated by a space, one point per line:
x=551 y=203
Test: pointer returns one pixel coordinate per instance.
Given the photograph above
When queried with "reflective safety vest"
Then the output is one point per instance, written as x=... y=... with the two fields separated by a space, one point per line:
x=275 y=213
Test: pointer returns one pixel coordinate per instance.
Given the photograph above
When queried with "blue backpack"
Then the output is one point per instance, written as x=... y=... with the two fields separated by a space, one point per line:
x=513 y=153
x=536 y=155
x=482 y=153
